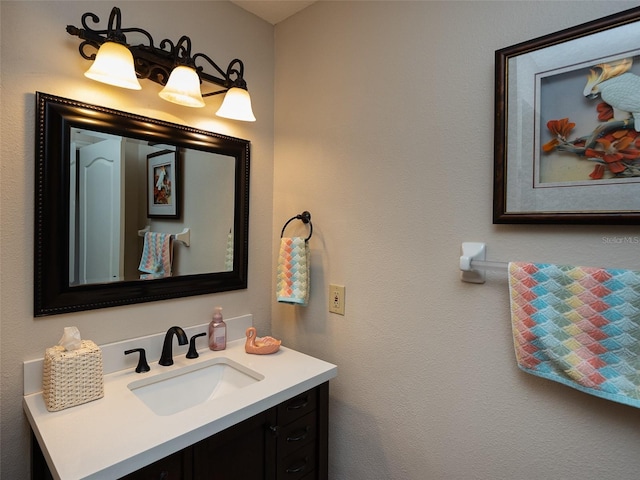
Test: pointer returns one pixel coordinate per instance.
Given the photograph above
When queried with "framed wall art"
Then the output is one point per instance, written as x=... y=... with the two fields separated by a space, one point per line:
x=567 y=126
x=163 y=188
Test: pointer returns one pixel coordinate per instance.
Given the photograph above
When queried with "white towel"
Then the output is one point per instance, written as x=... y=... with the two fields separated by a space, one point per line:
x=293 y=271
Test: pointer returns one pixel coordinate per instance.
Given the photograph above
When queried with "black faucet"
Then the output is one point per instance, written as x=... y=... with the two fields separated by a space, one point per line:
x=143 y=366
x=166 y=358
x=193 y=351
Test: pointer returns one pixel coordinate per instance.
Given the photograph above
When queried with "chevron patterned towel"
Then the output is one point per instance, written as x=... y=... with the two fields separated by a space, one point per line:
x=156 y=256
x=579 y=326
x=293 y=271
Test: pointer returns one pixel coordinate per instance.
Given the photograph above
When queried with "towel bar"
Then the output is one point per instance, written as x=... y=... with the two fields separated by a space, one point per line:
x=306 y=218
x=473 y=263
x=183 y=237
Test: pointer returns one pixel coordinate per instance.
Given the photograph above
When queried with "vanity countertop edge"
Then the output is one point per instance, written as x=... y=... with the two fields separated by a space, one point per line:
x=117 y=434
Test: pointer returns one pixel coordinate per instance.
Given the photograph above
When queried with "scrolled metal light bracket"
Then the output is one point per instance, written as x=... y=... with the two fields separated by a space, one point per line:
x=155 y=62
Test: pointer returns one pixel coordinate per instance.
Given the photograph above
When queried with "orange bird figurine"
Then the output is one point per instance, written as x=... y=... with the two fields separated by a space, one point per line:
x=260 y=346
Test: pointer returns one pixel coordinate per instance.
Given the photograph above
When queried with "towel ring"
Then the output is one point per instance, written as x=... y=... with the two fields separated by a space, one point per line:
x=306 y=218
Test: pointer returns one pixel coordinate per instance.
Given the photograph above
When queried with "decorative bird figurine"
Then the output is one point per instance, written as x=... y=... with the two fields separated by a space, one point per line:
x=260 y=346
x=617 y=87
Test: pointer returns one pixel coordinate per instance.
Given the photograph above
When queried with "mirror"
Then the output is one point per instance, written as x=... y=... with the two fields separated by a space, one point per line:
x=104 y=178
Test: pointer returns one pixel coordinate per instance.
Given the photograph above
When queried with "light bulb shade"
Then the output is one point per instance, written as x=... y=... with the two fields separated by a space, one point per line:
x=183 y=87
x=237 y=105
x=114 y=65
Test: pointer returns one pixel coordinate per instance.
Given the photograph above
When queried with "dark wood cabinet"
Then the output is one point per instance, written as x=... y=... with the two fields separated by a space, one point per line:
x=301 y=440
x=242 y=452
x=286 y=442
x=172 y=467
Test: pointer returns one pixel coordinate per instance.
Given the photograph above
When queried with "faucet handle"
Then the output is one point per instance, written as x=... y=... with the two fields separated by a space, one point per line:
x=193 y=353
x=143 y=366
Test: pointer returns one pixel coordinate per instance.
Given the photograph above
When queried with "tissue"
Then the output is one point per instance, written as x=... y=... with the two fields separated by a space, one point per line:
x=70 y=339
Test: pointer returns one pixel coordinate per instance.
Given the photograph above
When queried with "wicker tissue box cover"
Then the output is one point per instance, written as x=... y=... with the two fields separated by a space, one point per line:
x=72 y=377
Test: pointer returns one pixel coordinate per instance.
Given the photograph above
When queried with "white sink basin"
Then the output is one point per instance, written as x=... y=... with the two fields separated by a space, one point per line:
x=174 y=391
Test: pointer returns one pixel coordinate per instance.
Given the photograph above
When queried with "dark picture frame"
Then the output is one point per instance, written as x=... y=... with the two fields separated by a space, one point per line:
x=562 y=154
x=163 y=184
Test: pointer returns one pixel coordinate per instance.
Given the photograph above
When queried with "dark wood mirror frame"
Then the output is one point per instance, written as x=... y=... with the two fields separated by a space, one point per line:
x=55 y=116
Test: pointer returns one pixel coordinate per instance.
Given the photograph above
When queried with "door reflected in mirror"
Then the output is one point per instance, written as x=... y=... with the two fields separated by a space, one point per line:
x=103 y=178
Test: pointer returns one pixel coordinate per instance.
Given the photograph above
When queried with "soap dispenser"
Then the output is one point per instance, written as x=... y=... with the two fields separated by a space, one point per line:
x=217 y=331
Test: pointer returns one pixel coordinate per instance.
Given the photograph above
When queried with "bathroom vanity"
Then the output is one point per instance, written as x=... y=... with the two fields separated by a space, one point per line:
x=288 y=441
x=268 y=420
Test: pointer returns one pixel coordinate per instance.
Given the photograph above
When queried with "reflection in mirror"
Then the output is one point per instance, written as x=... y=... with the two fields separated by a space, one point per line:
x=112 y=186
x=103 y=178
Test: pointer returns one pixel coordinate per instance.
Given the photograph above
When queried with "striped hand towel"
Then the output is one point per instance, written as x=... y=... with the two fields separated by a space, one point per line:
x=579 y=326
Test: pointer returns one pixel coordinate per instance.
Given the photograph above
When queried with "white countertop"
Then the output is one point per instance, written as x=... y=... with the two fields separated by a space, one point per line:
x=118 y=434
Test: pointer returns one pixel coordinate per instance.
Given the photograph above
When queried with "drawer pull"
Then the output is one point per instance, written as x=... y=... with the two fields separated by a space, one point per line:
x=301 y=435
x=301 y=403
x=300 y=467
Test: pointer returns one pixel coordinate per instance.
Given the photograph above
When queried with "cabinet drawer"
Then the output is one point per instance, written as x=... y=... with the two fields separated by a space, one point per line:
x=297 y=434
x=297 y=407
x=298 y=464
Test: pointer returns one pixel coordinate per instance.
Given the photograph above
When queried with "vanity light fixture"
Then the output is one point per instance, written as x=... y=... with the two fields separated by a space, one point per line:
x=114 y=65
x=121 y=64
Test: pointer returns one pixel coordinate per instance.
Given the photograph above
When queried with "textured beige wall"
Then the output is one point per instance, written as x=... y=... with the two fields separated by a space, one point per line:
x=38 y=55
x=384 y=131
